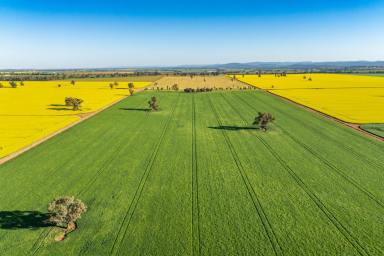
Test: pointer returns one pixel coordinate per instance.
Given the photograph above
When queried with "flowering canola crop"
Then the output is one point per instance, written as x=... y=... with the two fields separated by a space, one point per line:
x=351 y=98
x=31 y=112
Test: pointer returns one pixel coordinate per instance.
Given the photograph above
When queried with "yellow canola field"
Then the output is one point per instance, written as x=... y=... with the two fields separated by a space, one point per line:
x=351 y=98
x=31 y=112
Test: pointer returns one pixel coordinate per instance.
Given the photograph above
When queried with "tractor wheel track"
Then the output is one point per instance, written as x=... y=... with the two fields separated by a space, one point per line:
x=331 y=217
x=132 y=207
x=337 y=170
x=256 y=202
x=38 y=243
x=196 y=236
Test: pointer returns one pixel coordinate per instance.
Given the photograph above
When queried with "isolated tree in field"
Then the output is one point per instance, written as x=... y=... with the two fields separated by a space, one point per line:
x=1 y=85
x=262 y=120
x=65 y=211
x=73 y=82
x=131 y=88
x=13 y=84
x=111 y=85
x=153 y=104
x=116 y=84
x=21 y=83
x=59 y=85
x=74 y=102
x=175 y=87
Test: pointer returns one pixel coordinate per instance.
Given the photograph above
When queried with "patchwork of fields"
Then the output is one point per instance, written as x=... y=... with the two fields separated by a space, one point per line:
x=198 y=82
x=195 y=179
x=33 y=111
x=351 y=98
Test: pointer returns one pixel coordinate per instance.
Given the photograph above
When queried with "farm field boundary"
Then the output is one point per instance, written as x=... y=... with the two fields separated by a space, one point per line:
x=356 y=127
x=83 y=117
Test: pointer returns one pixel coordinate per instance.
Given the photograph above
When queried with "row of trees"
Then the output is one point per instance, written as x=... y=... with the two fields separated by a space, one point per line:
x=189 y=90
x=13 y=84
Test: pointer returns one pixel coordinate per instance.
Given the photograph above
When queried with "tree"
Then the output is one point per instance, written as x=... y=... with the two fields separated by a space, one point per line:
x=111 y=85
x=116 y=83
x=1 y=85
x=74 y=102
x=175 y=87
x=262 y=120
x=131 y=88
x=73 y=82
x=21 y=83
x=13 y=84
x=64 y=212
x=153 y=104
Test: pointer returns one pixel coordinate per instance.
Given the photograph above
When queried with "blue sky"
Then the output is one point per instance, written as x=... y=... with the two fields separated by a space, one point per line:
x=68 y=34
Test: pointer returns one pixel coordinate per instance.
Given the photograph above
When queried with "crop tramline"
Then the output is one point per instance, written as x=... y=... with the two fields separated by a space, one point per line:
x=325 y=161
x=258 y=206
x=115 y=154
x=132 y=206
x=368 y=207
x=323 y=134
x=68 y=163
x=347 y=234
x=196 y=249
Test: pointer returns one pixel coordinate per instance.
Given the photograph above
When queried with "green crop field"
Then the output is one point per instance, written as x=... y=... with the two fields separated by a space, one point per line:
x=377 y=129
x=195 y=179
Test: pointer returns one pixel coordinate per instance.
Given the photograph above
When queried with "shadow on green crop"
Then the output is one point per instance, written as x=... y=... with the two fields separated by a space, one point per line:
x=23 y=220
x=233 y=128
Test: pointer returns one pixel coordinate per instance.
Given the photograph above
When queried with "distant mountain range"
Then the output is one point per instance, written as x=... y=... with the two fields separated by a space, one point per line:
x=305 y=65
x=292 y=65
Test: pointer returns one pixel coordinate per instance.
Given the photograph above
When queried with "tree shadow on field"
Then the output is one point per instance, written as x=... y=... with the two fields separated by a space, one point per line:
x=233 y=128
x=59 y=107
x=135 y=109
x=23 y=220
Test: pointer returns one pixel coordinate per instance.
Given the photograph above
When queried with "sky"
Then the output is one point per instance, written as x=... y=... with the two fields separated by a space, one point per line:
x=100 y=34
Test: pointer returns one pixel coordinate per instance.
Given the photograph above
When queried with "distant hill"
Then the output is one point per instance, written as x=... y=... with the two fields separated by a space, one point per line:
x=293 y=65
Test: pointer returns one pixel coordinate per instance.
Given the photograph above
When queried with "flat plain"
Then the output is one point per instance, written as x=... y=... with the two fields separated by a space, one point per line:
x=196 y=179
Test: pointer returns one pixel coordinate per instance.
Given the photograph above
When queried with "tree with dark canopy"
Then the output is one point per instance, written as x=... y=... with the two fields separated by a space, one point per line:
x=262 y=120
x=153 y=104
x=131 y=88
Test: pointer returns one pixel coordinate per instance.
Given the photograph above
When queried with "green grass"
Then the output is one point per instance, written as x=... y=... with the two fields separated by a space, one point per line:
x=194 y=179
x=377 y=129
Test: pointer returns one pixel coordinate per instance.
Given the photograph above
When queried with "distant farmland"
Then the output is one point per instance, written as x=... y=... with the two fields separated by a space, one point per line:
x=196 y=179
